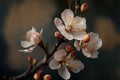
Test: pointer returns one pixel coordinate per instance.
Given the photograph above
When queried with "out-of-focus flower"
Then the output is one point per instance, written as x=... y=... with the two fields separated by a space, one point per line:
x=65 y=62
x=73 y=27
x=33 y=38
x=90 y=48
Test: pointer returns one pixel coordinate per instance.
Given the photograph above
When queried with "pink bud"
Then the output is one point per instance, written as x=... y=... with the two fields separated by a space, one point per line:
x=68 y=48
x=84 y=7
x=86 y=38
x=57 y=35
x=30 y=59
x=36 y=76
x=47 y=77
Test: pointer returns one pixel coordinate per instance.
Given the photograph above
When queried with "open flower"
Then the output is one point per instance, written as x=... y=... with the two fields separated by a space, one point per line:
x=33 y=38
x=65 y=62
x=73 y=27
x=90 y=48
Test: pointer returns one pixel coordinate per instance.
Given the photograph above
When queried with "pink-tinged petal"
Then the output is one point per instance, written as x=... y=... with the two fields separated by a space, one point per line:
x=94 y=54
x=59 y=25
x=67 y=35
x=27 y=50
x=98 y=44
x=93 y=37
x=60 y=54
x=54 y=64
x=26 y=44
x=67 y=16
x=79 y=23
x=28 y=35
x=64 y=73
x=86 y=53
x=41 y=32
x=79 y=35
x=33 y=29
x=79 y=66
x=77 y=46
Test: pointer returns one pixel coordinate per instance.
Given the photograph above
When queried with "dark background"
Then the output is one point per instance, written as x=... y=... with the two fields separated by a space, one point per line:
x=103 y=17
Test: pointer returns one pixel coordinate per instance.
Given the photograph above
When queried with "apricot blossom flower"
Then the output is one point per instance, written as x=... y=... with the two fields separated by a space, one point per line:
x=65 y=62
x=73 y=27
x=33 y=38
x=90 y=48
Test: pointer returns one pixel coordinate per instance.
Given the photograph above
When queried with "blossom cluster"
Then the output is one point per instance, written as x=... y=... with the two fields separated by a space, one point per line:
x=70 y=27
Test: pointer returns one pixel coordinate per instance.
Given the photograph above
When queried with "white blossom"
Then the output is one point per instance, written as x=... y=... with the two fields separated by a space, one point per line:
x=64 y=62
x=73 y=27
x=90 y=48
x=33 y=38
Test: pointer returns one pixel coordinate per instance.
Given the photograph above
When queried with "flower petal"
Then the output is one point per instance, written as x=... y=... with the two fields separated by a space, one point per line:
x=67 y=16
x=94 y=54
x=28 y=35
x=26 y=44
x=67 y=35
x=33 y=29
x=79 y=35
x=41 y=31
x=61 y=28
x=79 y=66
x=59 y=25
x=54 y=64
x=86 y=53
x=98 y=44
x=80 y=23
x=28 y=50
x=89 y=54
x=77 y=46
x=60 y=54
x=64 y=73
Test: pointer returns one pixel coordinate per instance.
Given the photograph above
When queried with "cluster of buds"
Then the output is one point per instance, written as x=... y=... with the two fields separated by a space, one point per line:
x=38 y=75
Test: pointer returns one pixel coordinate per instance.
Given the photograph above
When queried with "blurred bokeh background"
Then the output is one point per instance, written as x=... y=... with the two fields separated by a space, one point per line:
x=18 y=16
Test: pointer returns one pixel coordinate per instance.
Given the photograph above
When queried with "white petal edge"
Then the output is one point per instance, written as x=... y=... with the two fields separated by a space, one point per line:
x=98 y=44
x=80 y=23
x=64 y=73
x=76 y=45
x=79 y=68
x=33 y=29
x=41 y=31
x=79 y=35
x=54 y=64
x=60 y=54
x=26 y=44
x=27 y=50
x=85 y=53
x=95 y=55
x=67 y=16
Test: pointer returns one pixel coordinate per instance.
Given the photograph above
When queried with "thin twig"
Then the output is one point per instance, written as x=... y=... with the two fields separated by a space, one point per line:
x=32 y=69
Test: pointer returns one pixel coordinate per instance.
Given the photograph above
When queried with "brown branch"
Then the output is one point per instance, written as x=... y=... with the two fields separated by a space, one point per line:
x=32 y=69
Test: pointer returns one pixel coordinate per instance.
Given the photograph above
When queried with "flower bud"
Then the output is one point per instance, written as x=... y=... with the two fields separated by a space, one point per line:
x=57 y=35
x=68 y=48
x=30 y=59
x=47 y=77
x=84 y=7
x=34 y=61
x=86 y=38
x=36 y=76
x=40 y=72
x=72 y=53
